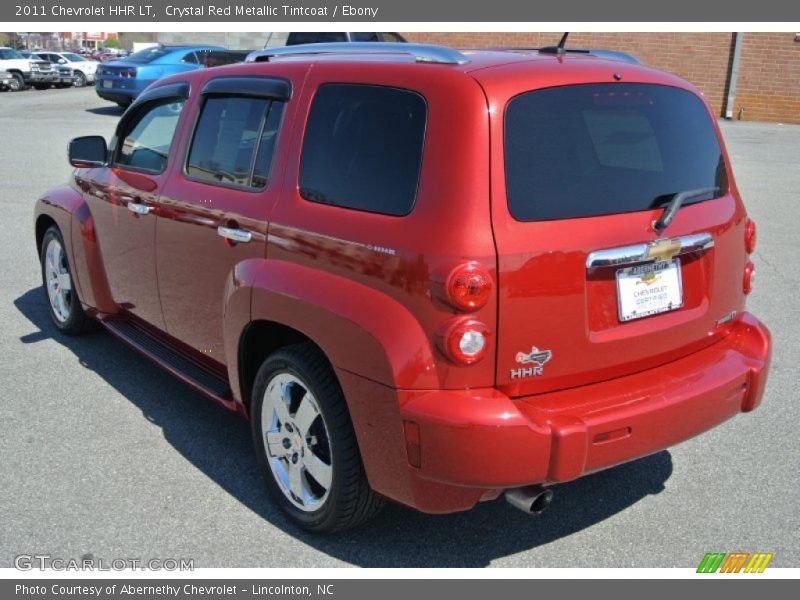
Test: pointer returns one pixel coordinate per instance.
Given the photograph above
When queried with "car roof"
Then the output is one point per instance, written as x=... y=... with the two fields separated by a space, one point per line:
x=493 y=69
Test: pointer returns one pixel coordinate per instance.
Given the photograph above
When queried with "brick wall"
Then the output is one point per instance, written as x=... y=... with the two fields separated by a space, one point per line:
x=768 y=87
x=769 y=78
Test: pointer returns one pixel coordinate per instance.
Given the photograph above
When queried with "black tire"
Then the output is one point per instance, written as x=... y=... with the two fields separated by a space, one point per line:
x=80 y=79
x=19 y=83
x=349 y=501
x=75 y=322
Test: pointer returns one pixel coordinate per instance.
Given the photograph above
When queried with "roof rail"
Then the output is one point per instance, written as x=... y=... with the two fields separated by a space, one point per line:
x=425 y=53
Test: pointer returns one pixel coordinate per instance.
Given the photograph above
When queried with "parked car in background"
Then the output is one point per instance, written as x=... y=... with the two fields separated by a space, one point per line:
x=7 y=81
x=437 y=277
x=121 y=81
x=66 y=76
x=27 y=71
x=83 y=70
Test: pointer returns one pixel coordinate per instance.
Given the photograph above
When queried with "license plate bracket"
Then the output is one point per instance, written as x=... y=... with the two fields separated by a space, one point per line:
x=649 y=289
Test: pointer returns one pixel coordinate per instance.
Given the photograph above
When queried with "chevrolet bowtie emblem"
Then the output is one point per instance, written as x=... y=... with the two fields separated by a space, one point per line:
x=663 y=249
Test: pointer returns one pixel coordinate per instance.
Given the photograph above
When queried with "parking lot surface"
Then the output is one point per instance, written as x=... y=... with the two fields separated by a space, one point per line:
x=104 y=454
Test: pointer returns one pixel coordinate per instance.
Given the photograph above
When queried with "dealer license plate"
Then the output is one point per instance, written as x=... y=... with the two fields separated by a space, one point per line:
x=649 y=289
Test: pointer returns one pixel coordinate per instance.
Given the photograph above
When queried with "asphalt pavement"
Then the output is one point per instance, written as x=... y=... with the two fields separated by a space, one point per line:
x=104 y=454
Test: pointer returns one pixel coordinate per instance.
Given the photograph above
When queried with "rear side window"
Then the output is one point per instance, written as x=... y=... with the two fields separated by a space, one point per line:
x=146 y=139
x=234 y=141
x=363 y=148
x=589 y=150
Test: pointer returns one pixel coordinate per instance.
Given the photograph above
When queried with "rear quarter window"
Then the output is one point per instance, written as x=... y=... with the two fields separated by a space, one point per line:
x=590 y=150
x=363 y=148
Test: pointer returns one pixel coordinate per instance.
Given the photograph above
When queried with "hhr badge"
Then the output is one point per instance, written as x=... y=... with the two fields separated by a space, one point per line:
x=535 y=357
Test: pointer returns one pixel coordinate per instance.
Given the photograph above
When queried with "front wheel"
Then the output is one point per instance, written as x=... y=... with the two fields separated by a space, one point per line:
x=80 y=79
x=305 y=443
x=65 y=307
x=18 y=84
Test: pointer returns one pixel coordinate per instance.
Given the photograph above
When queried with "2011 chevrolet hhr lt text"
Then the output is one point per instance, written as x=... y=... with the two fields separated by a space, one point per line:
x=424 y=275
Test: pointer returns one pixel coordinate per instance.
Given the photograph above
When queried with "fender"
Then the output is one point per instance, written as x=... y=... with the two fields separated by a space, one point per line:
x=65 y=205
x=360 y=329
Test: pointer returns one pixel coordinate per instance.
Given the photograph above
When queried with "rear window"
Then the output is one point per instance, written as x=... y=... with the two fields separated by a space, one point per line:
x=590 y=150
x=363 y=148
x=148 y=54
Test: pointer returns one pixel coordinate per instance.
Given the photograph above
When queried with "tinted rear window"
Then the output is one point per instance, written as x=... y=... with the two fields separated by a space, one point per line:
x=590 y=150
x=363 y=148
x=148 y=54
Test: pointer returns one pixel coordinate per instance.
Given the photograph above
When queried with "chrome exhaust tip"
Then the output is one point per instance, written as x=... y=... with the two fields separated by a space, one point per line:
x=531 y=499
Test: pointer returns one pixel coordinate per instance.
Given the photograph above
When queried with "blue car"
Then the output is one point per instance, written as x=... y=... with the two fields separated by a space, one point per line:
x=121 y=81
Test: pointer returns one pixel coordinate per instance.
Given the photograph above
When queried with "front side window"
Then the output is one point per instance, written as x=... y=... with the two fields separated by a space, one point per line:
x=234 y=141
x=147 y=138
x=363 y=148
x=599 y=149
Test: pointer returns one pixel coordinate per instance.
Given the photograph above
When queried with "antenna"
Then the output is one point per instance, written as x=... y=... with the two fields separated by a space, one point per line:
x=559 y=50
x=562 y=42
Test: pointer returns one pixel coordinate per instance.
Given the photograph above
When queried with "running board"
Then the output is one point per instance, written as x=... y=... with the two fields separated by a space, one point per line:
x=174 y=362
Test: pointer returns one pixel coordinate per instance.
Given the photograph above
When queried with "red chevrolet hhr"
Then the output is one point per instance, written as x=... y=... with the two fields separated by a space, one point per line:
x=424 y=275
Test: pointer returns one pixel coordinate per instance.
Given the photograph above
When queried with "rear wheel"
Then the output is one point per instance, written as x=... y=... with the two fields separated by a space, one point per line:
x=305 y=443
x=65 y=307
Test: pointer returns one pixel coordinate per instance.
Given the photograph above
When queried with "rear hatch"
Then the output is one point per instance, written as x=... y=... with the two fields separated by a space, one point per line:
x=588 y=291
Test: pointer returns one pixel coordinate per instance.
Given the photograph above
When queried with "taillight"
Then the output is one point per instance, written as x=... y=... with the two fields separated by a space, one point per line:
x=750 y=235
x=749 y=275
x=464 y=341
x=468 y=287
x=128 y=73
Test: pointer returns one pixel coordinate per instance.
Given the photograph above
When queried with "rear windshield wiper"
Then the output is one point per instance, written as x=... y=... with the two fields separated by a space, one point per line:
x=674 y=205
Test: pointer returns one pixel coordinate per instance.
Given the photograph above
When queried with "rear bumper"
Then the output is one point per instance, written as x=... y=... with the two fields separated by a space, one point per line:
x=472 y=444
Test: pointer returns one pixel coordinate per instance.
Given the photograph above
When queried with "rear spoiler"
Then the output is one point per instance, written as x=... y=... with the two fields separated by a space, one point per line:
x=598 y=52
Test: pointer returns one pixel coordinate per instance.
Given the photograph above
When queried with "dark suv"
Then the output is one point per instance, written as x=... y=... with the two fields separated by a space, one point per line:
x=423 y=275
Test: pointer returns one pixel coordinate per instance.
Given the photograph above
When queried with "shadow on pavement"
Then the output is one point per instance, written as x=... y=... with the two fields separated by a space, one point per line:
x=218 y=443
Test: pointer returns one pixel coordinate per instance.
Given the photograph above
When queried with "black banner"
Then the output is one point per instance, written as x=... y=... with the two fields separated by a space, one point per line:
x=370 y=589
x=315 y=11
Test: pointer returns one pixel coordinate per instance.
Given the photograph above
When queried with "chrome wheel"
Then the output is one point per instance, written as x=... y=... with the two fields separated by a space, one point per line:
x=58 y=280
x=297 y=443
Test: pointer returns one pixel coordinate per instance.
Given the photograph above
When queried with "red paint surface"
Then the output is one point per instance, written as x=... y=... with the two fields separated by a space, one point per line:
x=369 y=290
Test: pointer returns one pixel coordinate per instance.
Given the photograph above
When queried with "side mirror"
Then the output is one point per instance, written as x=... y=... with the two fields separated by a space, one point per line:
x=88 y=151
x=62 y=61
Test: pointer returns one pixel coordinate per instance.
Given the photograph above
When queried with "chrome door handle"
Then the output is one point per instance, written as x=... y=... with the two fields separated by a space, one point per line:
x=235 y=235
x=138 y=208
